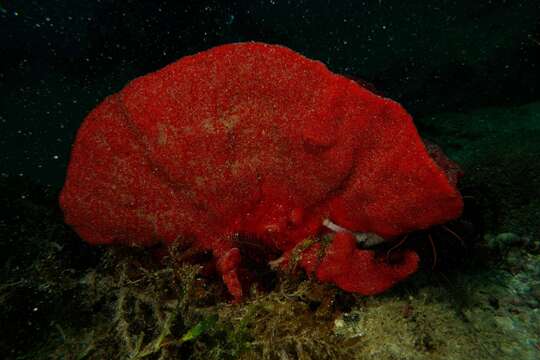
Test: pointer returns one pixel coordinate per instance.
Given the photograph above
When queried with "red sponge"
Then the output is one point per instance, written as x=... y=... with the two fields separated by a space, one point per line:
x=255 y=138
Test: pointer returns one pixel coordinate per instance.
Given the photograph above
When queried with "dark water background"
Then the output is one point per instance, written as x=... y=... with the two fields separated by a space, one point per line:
x=59 y=58
x=469 y=73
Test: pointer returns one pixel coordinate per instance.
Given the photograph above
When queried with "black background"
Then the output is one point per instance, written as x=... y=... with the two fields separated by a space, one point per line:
x=59 y=58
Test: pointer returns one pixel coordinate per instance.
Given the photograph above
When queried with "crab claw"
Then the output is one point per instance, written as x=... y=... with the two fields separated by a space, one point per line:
x=360 y=271
x=227 y=266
